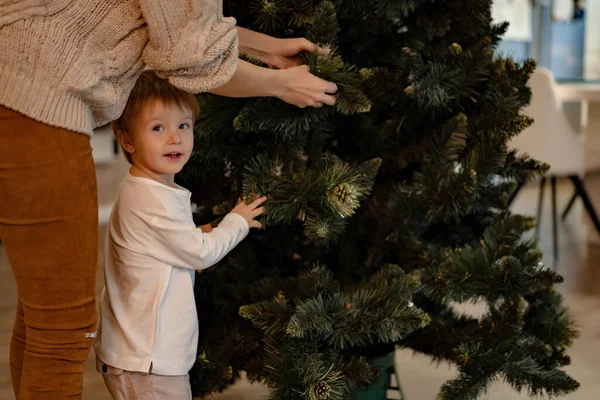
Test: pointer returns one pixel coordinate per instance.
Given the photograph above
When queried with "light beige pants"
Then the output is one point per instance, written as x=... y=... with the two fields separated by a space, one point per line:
x=127 y=385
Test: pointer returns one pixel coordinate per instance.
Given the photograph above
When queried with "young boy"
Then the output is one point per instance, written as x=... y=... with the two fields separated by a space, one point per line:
x=148 y=331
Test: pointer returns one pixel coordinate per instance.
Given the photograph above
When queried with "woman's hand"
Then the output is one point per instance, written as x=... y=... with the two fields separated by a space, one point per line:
x=277 y=53
x=284 y=53
x=297 y=86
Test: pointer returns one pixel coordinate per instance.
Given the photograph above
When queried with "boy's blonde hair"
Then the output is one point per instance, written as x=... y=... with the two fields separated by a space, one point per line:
x=151 y=87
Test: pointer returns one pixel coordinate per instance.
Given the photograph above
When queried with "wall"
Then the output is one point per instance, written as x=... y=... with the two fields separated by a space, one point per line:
x=592 y=40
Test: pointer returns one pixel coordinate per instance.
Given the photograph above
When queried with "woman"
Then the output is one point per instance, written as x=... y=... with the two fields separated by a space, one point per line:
x=65 y=68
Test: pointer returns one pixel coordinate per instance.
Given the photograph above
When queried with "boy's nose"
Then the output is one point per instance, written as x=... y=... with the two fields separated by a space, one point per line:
x=174 y=137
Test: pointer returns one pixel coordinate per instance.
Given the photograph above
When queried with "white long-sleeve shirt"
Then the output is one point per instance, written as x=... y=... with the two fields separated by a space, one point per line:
x=148 y=319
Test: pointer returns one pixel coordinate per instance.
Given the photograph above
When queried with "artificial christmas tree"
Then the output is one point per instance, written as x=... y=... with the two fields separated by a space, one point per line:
x=385 y=211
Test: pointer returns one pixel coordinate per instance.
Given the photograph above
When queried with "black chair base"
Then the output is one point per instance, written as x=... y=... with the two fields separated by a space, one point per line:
x=579 y=192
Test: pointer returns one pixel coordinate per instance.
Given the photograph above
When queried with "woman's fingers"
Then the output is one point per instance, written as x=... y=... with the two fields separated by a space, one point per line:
x=309 y=46
x=327 y=99
x=324 y=99
x=303 y=89
x=330 y=87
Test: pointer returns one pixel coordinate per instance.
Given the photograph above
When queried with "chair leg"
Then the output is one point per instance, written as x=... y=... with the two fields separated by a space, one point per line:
x=570 y=205
x=554 y=220
x=515 y=193
x=538 y=220
x=586 y=201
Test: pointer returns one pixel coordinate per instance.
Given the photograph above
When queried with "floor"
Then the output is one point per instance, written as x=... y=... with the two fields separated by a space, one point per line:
x=579 y=259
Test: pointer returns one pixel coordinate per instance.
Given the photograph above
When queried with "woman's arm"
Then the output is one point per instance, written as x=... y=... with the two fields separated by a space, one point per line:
x=254 y=43
x=197 y=50
x=278 y=53
x=295 y=85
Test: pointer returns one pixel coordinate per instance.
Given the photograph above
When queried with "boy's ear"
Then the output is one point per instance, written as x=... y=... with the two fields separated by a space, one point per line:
x=125 y=141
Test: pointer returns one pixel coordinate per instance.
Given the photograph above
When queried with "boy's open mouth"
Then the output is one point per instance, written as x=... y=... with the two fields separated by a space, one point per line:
x=173 y=155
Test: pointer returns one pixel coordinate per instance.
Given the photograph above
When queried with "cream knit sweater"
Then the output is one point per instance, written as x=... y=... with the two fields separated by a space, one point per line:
x=72 y=63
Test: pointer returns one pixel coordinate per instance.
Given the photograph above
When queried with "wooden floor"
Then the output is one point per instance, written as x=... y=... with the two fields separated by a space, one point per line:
x=579 y=263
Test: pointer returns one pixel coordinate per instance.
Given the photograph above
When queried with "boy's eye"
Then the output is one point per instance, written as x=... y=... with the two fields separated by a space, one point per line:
x=157 y=128
x=183 y=126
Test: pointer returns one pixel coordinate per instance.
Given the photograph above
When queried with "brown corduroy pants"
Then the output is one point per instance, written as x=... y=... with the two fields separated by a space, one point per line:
x=49 y=228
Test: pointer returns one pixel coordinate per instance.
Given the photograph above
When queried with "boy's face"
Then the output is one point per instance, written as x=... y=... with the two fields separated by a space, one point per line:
x=161 y=140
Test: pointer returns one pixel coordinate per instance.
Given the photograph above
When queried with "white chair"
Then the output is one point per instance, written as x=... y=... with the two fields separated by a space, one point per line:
x=552 y=140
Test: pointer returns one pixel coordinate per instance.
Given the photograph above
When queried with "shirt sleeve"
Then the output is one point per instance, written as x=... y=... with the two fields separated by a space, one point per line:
x=191 y=43
x=179 y=243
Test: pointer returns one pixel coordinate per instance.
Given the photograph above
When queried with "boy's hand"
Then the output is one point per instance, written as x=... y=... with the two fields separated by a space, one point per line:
x=251 y=211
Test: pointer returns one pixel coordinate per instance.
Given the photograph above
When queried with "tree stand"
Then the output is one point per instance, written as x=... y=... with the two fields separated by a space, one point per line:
x=388 y=383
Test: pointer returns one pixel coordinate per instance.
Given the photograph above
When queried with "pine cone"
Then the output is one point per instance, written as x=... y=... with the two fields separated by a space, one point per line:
x=322 y=390
x=341 y=192
x=344 y=199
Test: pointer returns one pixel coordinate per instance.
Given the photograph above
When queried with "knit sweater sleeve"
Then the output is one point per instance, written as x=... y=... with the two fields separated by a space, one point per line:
x=191 y=43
